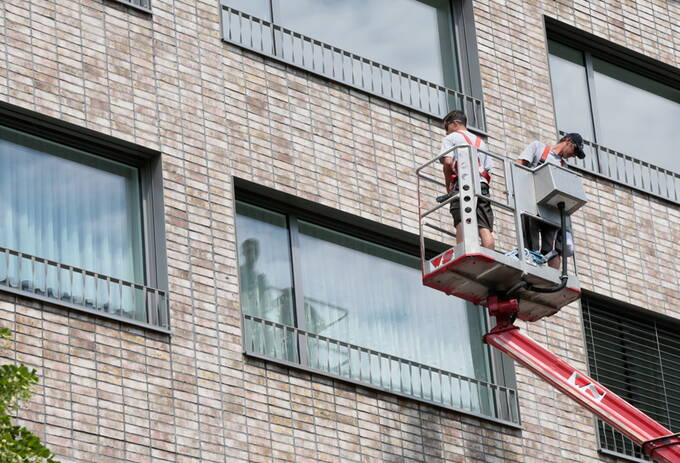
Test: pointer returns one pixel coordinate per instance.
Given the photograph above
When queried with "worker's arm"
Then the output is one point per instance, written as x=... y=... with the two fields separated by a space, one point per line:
x=528 y=156
x=447 y=168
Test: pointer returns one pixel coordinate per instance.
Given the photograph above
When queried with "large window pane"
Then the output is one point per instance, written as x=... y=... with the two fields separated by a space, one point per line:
x=70 y=207
x=626 y=102
x=570 y=90
x=413 y=36
x=363 y=313
x=372 y=296
x=266 y=284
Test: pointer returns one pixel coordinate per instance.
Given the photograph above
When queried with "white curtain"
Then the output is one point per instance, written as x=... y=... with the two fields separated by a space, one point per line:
x=73 y=208
x=372 y=296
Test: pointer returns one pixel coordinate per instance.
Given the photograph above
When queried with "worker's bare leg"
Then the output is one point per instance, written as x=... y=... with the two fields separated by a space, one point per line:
x=459 y=233
x=484 y=233
x=487 y=238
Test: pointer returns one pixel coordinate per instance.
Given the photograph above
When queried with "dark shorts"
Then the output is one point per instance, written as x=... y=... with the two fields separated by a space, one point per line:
x=550 y=237
x=484 y=211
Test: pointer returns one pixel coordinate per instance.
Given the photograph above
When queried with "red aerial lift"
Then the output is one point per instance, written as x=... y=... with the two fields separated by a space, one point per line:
x=512 y=287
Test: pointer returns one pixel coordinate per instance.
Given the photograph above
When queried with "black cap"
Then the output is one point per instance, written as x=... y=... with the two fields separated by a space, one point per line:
x=577 y=139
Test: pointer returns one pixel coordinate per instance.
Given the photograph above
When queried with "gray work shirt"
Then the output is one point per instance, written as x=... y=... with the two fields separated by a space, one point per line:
x=532 y=154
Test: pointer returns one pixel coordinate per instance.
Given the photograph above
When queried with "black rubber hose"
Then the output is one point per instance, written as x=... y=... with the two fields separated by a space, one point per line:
x=565 y=276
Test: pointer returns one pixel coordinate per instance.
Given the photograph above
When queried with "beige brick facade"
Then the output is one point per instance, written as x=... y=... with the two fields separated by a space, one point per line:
x=167 y=81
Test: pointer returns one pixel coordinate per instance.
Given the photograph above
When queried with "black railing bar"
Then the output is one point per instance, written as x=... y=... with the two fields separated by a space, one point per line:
x=71 y=268
x=372 y=352
x=622 y=455
x=299 y=366
x=627 y=157
x=84 y=309
x=511 y=413
x=478 y=103
x=339 y=50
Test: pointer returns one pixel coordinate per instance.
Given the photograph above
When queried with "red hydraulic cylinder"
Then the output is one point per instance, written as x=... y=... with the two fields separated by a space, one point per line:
x=657 y=441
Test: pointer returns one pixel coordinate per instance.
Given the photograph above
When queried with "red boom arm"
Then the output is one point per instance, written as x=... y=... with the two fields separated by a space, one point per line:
x=656 y=440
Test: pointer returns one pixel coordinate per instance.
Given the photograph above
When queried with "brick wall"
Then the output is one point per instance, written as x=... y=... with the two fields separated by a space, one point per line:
x=111 y=393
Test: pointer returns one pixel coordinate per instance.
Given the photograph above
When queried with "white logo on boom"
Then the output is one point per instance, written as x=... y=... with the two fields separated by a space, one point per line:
x=586 y=386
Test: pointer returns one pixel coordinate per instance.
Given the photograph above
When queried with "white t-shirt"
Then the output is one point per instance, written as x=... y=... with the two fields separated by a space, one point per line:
x=455 y=139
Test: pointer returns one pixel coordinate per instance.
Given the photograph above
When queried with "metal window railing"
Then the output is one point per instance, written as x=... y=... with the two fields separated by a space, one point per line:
x=625 y=169
x=326 y=60
x=331 y=357
x=84 y=290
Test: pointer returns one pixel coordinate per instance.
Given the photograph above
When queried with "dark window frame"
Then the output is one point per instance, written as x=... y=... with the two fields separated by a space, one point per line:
x=623 y=168
x=148 y=163
x=623 y=316
x=295 y=209
x=136 y=5
x=464 y=42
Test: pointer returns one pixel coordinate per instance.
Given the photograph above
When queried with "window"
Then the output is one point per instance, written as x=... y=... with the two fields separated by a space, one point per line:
x=404 y=50
x=72 y=230
x=346 y=306
x=638 y=358
x=629 y=118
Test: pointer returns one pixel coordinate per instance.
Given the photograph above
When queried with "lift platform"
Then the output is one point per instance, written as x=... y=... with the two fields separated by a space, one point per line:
x=476 y=276
x=474 y=273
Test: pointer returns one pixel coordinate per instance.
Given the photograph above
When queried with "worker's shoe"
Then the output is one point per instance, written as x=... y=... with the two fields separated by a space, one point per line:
x=531 y=257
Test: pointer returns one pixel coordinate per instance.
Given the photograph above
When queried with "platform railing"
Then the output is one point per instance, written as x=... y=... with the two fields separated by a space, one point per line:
x=84 y=290
x=269 y=39
x=503 y=182
x=361 y=365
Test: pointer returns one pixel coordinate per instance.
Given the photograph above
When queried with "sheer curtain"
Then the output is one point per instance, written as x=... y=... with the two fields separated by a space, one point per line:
x=74 y=208
x=372 y=296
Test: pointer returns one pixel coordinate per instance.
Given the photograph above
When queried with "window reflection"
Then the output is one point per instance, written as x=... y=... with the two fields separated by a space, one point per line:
x=258 y=8
x=623 y=101
x=372 y=296
x=266 y=287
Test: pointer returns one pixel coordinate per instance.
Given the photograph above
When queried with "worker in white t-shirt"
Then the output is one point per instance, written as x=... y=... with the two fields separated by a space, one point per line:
x=457 y=134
